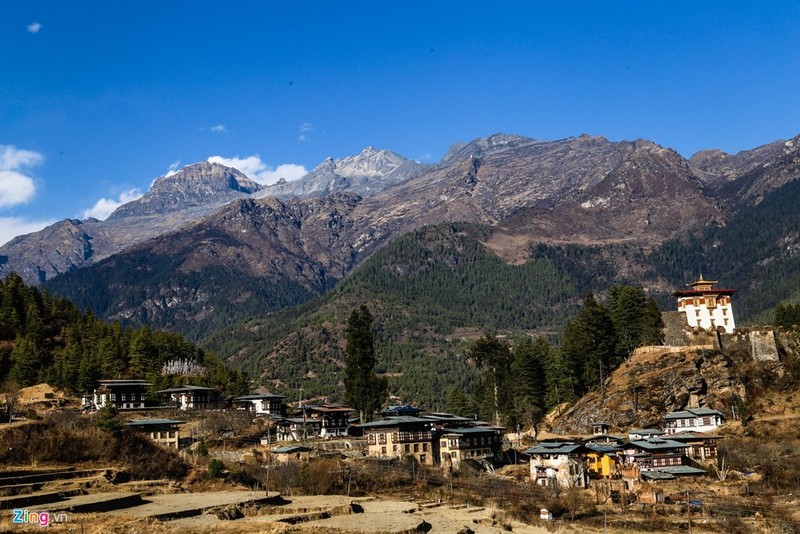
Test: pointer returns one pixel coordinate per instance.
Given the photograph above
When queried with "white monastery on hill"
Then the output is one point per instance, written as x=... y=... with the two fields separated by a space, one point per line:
x=706 y=306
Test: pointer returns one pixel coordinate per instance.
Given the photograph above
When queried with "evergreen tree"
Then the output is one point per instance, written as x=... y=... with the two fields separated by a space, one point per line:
x=530 y=382
x=493 y=355
x=590 y=346
x=460 y=403
x=364 y=390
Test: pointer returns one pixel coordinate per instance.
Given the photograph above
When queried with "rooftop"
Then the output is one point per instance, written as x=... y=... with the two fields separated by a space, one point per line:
x=186 y=389
x=288 y=449
x=691 y=413
x=397 y=421
x=154 y=422
x=555 y=447
x=658 y=444
x=259 y=396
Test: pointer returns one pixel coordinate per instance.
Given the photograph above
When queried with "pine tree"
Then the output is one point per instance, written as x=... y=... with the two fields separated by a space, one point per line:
x=590 y=346
x=530 y=381
x=490 y=353
x=364 y=390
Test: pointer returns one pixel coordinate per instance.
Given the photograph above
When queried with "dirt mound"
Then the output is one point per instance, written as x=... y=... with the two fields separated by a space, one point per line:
x=39 y=393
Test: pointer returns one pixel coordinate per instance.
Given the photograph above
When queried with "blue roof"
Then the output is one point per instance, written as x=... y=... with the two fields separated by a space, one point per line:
x=555 y=447
x=606 y=449
x=682 y=470
x=657 y=444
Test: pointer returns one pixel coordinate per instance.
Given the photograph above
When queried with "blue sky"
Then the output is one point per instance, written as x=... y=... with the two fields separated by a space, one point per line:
x=99 y=98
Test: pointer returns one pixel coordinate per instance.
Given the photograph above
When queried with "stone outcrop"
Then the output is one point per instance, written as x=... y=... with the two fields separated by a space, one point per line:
x=654 y=381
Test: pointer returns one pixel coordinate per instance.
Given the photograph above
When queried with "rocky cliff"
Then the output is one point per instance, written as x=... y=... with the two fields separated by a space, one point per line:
x=656 y=380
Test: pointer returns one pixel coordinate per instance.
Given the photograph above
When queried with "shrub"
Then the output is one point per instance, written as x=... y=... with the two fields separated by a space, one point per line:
x=215 y=468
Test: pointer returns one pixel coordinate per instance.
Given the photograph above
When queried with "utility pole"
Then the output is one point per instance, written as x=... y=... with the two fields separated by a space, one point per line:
x=269 y=457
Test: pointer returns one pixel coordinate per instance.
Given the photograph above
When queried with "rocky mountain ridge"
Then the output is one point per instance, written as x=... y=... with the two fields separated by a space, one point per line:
x=364 y=174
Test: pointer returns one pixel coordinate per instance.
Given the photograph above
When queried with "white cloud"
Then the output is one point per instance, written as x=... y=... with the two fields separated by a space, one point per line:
x=16 y=187
x=218 y=128
x=257 y=170
x=11 y=227
x=106 y=206
x=34 y=27
x=304 y=129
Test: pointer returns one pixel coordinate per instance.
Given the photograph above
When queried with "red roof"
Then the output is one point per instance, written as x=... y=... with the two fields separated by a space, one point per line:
x=694 y=292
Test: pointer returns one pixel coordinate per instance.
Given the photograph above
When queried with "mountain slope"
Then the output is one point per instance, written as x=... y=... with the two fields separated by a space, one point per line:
x=191 y=193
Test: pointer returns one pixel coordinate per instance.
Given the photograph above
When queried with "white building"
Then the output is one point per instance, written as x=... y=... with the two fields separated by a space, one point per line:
x=705 y=306
x=559 y=465
x=694 y=420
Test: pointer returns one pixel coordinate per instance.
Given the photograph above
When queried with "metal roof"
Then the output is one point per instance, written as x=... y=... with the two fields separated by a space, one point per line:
x=287 y=449
x=647 y=431
x=682 y=470
x=555 y=448
x=396 y=421
x=472 y=430
x=155 y=422
x=657 y=444
x=691 y=413
x=186 y=389
x=259 y=396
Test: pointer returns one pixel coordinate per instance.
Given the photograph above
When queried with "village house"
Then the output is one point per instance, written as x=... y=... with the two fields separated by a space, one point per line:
x=707 y=307
x=290 y=453
x=297 y=428
x=122 y=394
x=472 y=443
x=600 y=428
x=404 y=409
x=693 y=419
x=334 y=418
x=262 y=404
x=645 y=433
x=397 y=437
x=165 y=432
x=558 y=465
x=701 y=447
x=654 y=453
x=191 y=397
x=602 y=461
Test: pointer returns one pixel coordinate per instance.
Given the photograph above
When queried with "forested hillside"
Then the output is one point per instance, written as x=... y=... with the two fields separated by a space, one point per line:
x=431 y=292
x=757 y=253
x=48 y=339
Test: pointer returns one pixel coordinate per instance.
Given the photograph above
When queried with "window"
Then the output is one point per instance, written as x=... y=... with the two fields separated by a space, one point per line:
x=383 y=450
x=422 y=458
x=122 y=397
x=424 y=447
x=416 y=447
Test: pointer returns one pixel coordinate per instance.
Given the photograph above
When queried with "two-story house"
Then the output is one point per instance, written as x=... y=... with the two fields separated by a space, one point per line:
x=397 y=437
x=470 y=443
x=693 y=419
x=191 y=397
x=334 y=418
x=122 y=394
x=558 y=464
x=262 y=404
x=165 y=432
